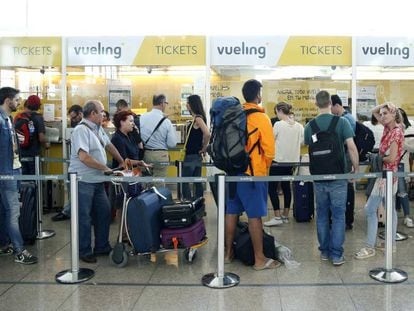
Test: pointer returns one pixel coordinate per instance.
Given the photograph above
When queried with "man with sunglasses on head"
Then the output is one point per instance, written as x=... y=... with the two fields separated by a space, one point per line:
x=158 y=135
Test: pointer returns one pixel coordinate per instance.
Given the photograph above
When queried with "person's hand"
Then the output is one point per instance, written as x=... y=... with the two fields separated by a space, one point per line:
x=142 y=163
x=127 y=163
x=20 y=137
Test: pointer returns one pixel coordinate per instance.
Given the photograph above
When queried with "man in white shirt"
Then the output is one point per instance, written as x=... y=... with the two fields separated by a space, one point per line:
x=158 y=135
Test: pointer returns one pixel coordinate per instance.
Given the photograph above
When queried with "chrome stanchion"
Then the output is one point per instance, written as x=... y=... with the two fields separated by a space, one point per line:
x=41 y=234
x=179 y=165
x=388 y=274
x=220 y=279
x=75 y=274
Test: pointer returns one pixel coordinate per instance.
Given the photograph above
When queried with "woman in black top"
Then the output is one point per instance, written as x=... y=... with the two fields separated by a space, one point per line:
x=126 y=139
x=196 y=146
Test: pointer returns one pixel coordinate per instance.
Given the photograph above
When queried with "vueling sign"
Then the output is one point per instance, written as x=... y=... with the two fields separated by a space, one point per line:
x=98 y=49
x=383 y=51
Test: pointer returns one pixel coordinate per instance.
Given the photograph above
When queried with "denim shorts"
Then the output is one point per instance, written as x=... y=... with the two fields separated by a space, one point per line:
x=250 y=197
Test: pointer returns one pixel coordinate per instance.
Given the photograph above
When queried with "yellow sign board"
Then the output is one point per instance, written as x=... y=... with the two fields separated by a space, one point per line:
x=172 y=51
x=317 y=51
x=30 y=51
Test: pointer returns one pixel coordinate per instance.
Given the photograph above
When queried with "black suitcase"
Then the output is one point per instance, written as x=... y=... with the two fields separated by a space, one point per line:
x=183 y=213
x=303 y=201
x=350 y=206
x=28 y=212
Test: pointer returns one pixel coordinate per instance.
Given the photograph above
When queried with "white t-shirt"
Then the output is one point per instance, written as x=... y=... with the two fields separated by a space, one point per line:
x=377 y=130
x=288 y=139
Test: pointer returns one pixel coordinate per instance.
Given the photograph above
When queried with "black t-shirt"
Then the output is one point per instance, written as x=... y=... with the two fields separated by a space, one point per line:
x=35 y=145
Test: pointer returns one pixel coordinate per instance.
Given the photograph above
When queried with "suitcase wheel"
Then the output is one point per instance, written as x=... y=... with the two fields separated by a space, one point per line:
x=190 y=254
x=118 y=257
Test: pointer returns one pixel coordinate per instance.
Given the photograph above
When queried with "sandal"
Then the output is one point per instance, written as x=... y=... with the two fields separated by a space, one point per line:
x=269 y=264
x=364 y=253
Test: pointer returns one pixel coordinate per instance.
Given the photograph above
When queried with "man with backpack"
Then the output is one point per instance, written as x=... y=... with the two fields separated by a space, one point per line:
x=251 y=197
x=31 y=125
x=326 y=136
x=11 y=240
x=338 y=110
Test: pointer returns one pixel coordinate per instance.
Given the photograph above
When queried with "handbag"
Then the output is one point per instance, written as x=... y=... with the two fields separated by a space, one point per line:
x=183 y=150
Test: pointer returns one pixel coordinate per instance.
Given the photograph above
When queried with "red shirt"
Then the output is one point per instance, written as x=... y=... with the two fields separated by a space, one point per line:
x=389 y=136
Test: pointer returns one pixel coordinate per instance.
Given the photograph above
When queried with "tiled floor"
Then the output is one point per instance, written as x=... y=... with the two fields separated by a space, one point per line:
x=173 y=284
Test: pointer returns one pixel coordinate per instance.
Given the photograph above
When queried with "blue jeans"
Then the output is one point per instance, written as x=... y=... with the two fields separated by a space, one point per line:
x=9 y=214
x=94 y=209
x=370 y=210
x=331 y=197
x=402 y=195
x=192 y=168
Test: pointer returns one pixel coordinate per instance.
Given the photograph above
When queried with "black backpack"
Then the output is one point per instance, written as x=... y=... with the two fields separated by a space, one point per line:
x=325 y=153
x=243 y=246
x=229 y=136
x=364 y=140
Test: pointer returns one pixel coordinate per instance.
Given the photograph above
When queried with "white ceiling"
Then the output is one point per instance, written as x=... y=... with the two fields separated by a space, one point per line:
x=212 y=17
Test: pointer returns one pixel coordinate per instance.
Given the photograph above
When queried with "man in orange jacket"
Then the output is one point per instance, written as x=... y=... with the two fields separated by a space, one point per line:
x=251 y=197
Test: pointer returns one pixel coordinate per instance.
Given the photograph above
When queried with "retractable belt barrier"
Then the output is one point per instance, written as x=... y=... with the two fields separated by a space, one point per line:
x=220 y=279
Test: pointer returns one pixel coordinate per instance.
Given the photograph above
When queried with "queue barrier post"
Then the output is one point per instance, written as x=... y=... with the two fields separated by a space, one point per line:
x=179 y=165
x=220 y=279
x=75 y=274
x=388 y=274
x=41 y=234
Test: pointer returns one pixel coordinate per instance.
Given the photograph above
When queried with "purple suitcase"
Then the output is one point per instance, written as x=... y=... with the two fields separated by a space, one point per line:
x=186 y=237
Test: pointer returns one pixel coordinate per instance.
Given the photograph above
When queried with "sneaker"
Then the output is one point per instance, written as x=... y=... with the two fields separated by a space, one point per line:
x=60 y=217
x=275 y=221
x=338 y=261
x=364 y=253
x=4 y=251
x=25 y=258
x=285 y=219
x=324 y=257
x=408 y=222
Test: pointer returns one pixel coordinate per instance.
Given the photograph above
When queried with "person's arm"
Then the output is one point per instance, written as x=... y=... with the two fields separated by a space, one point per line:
x=393 y=153
x=353 y=154
x=89 y=161
x=267 y=141
x=41 y=130
x=206 y=134
x=114 y=152
x=171 y=135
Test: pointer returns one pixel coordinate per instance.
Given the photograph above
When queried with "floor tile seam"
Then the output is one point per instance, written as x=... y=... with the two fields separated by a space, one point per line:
x=253 y=285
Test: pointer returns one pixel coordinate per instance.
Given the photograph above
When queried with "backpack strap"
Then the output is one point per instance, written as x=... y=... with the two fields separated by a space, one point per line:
x=315 y=128
x=333 y=124
x=257 y=143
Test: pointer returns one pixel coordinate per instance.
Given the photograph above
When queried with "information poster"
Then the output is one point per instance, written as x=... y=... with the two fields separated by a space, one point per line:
x=186 y=90
x=366 y=100
x=117 y=93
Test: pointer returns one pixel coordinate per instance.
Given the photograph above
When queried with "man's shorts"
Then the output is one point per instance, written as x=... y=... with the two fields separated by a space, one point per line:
x=250 y=197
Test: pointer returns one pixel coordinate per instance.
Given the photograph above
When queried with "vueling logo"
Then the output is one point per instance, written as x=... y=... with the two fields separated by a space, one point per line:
x=99 y=49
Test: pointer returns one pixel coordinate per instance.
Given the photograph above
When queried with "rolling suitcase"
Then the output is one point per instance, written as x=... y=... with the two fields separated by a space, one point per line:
x=183 y=214
x=185 y=237
x=143 y=219
x=28 y=212
x=303 y=201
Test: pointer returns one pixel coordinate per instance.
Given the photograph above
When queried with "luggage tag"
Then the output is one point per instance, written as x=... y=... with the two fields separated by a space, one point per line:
x=314 y=138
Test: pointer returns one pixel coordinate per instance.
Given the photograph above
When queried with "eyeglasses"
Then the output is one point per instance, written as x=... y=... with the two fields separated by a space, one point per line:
x=165 y=103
